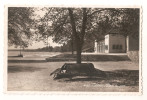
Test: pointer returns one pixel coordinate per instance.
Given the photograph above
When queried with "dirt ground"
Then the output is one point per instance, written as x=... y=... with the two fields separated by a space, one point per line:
x=36 y=77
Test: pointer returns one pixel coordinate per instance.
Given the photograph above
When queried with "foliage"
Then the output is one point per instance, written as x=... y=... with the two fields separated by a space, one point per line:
x=47 y=49
x=86 y=24
x=78 y=24
x=19 y=26
x=130 y=22
x=99 y=22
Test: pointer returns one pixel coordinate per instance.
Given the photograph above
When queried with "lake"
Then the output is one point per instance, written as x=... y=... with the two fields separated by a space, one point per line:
x=31 y=55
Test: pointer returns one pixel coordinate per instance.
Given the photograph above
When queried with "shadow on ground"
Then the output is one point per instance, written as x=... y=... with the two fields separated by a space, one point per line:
x=16 y=69
x=70 y=57
x=26 y=61
x=85 y=79
x=116 y=78
x=13 y=56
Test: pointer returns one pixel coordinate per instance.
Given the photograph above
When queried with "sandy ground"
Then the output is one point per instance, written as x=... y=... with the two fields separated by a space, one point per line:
x=36 y=77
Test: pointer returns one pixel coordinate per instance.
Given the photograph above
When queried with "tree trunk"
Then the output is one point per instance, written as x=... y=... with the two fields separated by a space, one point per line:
x=72 y=48
x=20 y=50
x=47 y=45
x=79 y=50
x=126 y=44
x=77 y=38
x=81 y=39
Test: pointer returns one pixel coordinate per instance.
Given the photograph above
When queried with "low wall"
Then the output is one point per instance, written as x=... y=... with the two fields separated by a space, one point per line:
x=134 y=56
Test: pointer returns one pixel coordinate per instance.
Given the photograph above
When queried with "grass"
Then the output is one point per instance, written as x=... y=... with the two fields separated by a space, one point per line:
x=121 y=77
x=116 y=77
x=70 y=57
x=33 y=74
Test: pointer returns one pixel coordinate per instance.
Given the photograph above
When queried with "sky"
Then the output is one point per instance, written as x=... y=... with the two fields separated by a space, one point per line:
x=40 y=44
x=35 y=45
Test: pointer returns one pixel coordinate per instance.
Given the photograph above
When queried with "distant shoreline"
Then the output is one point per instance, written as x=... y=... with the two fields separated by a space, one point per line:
x=31 y=50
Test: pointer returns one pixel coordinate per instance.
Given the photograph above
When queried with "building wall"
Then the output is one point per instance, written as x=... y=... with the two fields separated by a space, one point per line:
x=100 y=47
x=133 y=48
x=95 y=46
x=132 y=43
x=113 y=43
x=106 y=43
x=116 y=43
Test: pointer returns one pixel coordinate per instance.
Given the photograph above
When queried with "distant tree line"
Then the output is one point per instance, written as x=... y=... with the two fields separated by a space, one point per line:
x=66 y=47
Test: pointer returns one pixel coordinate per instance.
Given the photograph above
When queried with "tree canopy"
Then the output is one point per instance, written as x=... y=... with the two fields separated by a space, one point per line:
x=80 y=24
x=130 y=22
x=19 y=26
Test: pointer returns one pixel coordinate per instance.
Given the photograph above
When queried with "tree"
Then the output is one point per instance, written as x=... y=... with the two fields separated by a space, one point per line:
x=20 y=22
x=129 y=24
x=80 y=24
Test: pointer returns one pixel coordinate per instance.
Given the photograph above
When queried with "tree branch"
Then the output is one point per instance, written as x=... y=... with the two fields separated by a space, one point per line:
x=72 y=20
x=84 y=21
